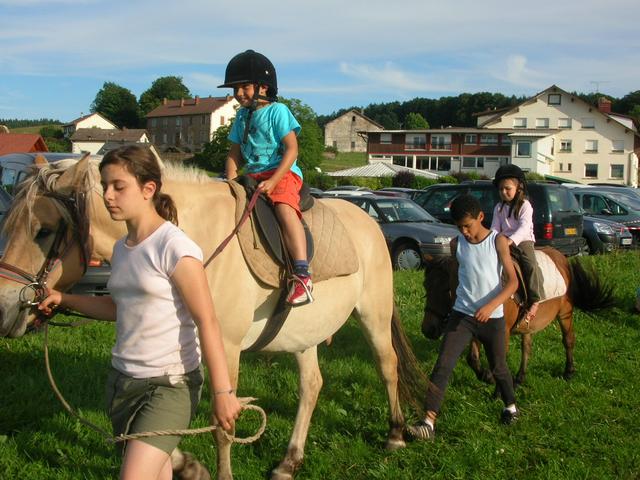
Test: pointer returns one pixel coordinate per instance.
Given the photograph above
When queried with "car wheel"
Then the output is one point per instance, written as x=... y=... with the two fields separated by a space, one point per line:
x=407 y=257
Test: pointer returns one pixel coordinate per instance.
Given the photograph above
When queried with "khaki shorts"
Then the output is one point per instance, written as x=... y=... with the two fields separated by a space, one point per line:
x=158 y=403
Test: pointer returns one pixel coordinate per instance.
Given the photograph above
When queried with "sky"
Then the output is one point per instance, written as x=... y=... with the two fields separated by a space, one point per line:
x=55 y=55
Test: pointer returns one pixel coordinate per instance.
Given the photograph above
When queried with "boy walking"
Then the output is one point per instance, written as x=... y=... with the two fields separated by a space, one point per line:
x=264 y=143
x=482 y=255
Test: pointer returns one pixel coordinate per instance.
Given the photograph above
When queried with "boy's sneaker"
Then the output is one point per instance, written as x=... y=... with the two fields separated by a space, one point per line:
x=300 y=290
x=508 y=417
x=421 y=431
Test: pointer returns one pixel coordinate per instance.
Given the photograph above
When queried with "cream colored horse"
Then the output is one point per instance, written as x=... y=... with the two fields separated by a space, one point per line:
x=243 y=305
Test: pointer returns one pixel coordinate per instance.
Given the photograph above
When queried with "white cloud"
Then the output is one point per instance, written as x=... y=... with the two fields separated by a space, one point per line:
x=390 y=76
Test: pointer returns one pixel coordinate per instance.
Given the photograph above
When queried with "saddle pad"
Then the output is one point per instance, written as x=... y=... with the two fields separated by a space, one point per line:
x=334 y=254
x=553 y=282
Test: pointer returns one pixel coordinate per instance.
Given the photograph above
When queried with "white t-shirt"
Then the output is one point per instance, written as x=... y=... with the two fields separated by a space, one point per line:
x=155 y=333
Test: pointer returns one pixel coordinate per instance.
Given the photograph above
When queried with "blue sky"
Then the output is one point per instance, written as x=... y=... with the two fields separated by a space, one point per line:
x=55 y=55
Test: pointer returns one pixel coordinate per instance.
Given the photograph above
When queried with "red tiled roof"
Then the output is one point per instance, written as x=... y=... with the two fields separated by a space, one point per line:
x=103 y=135
x=189 y=106
x=21 y=143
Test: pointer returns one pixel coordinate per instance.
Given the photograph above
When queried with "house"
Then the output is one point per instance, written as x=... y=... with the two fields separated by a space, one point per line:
x=557 y=133
x=187 y=124
x=93 y=120
x=21 y=143
x=442 y=150
x=342 y=133
x=98 y=141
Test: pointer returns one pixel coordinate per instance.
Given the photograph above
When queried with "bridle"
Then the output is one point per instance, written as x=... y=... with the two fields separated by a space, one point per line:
x=35 y=285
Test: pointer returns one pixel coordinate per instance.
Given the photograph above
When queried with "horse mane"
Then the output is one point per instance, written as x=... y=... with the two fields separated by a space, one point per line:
x=437 y=265
x=43 y=180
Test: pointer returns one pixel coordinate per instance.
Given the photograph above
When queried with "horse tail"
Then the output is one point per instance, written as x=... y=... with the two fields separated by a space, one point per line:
x=587 y=290
x=412 y=382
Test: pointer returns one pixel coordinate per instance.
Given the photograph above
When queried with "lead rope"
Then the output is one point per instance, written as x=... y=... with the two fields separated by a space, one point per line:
x=245 y=402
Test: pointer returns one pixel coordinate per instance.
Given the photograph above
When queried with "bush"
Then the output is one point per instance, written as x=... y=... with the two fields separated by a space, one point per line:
x=422 y=182
x=447 y=179
x=534 y=177
x=319 y=180
x=404 y=180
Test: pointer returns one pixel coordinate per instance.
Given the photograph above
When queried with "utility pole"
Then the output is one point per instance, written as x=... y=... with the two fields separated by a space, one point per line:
x=597 y=84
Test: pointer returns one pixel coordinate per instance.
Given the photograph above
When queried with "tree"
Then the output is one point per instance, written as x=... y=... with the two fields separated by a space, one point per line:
x=415 y=121
x=214 y=153
x=117 y=104
x=310 y=146
x=170 y=87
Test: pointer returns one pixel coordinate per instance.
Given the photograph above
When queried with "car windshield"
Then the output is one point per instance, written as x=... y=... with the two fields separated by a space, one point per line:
x=626 y=199
x=399 y=210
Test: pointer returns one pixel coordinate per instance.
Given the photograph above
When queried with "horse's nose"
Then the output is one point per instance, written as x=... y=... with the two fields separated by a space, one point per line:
x=431 y=328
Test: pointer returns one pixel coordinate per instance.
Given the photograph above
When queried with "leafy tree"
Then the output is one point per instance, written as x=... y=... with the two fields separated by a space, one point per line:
x=415 y=121
x=58 y=144
x=117 y=104
x=214 y=153
x=170 y=87
x=310 y=145
x=51 y=131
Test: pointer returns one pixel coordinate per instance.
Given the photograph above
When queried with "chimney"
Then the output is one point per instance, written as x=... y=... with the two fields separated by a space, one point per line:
x=164 y=101
x=197 y=99
x=604 y=105
x=182 y=102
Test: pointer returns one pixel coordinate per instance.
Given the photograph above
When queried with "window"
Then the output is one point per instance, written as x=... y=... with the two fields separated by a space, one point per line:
x=221 y=120
x=591 y=146
x=591 y=170
x=588 y=122
x=385 y=138
x=506 y=140
x=564 y=167
x=523 y=149
x=178 y=121
x=400 y=160
x=204 y=120
x=472 y=162
x=617 y=146
x=191 y=120
x=154 y=122
x=164 y=138
x=353 y=118
x=470 y=139
x=519 y=123
x=165 y=121
x=617 y=171
x=441 y=142
x=335 y=144
x=564 y=123
x=416 y=141
x=489 y=139
x=554 y=99
x=444 y=164
x=542 y=123
x=353 y=146
x=565 y=145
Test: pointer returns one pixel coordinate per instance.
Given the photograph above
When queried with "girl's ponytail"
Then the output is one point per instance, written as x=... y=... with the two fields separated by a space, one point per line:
x=166 y=207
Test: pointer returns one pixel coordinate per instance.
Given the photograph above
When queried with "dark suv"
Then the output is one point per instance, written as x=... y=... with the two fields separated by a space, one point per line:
x=557 y=218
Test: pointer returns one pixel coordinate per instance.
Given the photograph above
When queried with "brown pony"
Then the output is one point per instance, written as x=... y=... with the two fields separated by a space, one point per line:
x=58 y=220
x=584 y=290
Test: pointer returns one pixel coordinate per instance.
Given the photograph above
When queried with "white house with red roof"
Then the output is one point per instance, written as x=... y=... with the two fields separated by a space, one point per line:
x=187 y=124
x=93 y=120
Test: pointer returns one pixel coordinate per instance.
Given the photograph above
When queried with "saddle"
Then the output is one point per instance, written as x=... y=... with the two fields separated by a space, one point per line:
x=552 y=280
x=329 y=248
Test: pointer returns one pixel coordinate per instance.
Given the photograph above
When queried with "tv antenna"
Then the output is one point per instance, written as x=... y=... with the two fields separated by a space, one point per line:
x=597 y=84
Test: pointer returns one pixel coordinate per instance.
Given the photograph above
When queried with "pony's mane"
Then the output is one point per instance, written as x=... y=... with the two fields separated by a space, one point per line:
x=43 y=180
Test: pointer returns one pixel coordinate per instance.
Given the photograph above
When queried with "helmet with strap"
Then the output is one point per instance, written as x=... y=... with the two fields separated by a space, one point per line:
x=252 y=67
x=509 y=171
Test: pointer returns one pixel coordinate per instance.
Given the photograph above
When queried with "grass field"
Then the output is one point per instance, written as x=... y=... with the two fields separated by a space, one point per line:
x=344 y=160
x=34 y=129
x=586 y=428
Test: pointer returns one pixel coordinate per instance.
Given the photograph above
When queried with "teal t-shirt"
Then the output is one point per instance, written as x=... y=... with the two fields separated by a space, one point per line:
x=264 y=148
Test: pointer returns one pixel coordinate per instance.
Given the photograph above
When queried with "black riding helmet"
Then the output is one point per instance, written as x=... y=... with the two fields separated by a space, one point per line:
x=509 y=171
x=252 y=67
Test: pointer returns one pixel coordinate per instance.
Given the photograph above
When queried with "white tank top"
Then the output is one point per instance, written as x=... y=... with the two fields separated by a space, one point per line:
x=479 y=275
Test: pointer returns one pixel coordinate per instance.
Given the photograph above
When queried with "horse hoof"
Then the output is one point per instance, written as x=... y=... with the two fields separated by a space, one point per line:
x=395 y=444
x=279 y=475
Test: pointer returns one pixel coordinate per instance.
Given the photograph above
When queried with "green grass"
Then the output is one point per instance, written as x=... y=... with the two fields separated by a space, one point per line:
x=343 y=160
x=34 y=129
x=586 y=428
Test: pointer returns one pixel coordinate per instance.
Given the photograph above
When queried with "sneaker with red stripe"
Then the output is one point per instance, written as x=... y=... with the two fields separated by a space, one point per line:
x=300 y=290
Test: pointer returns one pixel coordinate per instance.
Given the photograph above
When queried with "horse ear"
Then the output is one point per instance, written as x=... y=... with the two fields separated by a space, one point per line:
x=40 y=161
x=74 y=176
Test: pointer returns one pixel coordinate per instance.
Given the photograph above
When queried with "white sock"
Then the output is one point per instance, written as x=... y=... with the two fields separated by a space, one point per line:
x=512 y=408
x=429 y=422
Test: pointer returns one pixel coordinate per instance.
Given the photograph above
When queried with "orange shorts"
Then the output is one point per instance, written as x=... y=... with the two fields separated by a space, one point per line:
x=287 y=190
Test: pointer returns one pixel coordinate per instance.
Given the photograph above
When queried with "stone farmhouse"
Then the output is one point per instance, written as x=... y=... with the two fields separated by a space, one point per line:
x=552 y=133
x=343 y=132
x=187 y=124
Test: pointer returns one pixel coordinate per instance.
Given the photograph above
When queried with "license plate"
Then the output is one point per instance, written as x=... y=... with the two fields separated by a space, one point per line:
x=626 y=241
x=571 y=231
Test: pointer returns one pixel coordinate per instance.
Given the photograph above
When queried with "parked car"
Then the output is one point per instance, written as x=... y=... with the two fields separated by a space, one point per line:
x=346 y=190
x=14 y=168
x=604 y=235
x=396 y=192
x=557 y=218
x=412 y=234
x=627 y=195
x=601 y=205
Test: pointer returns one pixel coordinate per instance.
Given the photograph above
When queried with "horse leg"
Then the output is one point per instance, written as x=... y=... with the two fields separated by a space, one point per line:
x=473 y=360
x=308 y=391
x=526 y=342
x=568 y=337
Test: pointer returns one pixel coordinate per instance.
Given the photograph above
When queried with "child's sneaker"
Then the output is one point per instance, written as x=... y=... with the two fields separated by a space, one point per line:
x=421 y=431
x=508 y=417
x=300 y=290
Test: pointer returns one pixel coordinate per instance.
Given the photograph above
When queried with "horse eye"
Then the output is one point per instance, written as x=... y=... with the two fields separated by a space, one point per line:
x=43 y=233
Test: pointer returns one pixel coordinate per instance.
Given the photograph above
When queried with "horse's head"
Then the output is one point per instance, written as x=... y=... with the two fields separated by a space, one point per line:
x=47 y=239
x=437 y=283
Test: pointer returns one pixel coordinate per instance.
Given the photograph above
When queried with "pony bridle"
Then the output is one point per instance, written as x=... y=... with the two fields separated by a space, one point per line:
x=35 y=286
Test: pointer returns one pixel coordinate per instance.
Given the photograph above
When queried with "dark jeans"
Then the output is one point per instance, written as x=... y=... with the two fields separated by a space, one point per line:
x=459 y=330
x=531 y=272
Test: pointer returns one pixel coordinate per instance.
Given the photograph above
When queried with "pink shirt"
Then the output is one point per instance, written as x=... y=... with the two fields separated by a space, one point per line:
x=517 y=229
